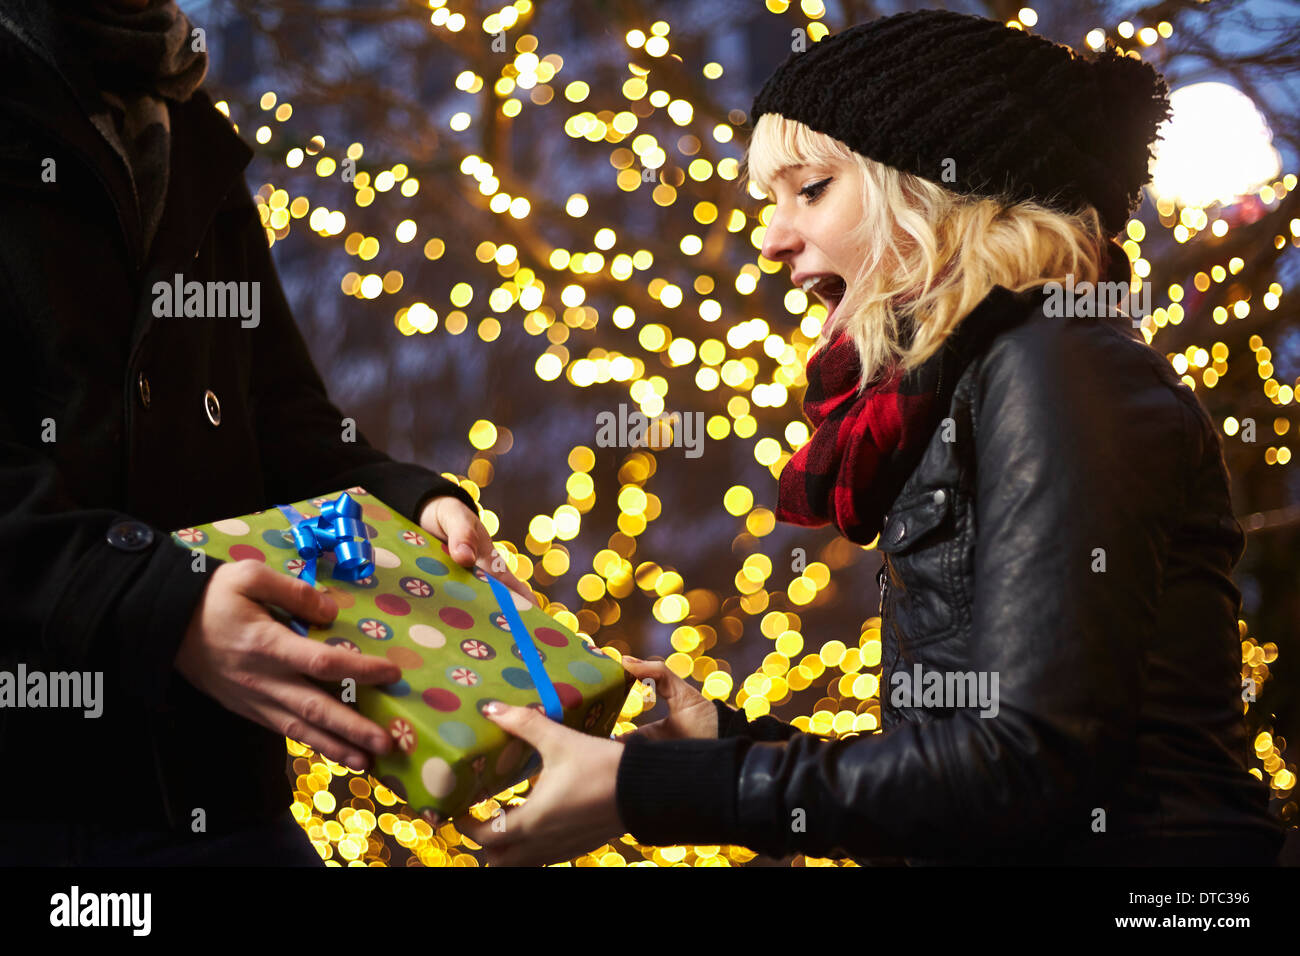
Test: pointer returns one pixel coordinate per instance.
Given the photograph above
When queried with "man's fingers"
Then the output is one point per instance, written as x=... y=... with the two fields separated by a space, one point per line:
x=489 y=559
x=462 y=527
x=268 y=586
x=313 y=710
x=327 y=663
x=470 y=535
x=271 y=715
x=498 y=570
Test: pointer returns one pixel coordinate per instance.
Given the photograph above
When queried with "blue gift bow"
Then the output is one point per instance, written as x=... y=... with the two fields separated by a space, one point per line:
x=337 y=529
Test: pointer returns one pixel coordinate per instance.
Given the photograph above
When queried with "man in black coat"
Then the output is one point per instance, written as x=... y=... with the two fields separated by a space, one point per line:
x=119 y=425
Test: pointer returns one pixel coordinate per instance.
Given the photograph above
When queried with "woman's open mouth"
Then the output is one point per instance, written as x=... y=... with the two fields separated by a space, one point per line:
x=829 y=289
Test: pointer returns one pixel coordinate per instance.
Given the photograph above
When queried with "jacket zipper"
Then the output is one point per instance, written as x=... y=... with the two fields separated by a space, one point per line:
x=938 y=389
x=884 y=587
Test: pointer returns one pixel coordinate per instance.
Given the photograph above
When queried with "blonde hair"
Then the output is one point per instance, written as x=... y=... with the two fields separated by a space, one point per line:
x=956 y=248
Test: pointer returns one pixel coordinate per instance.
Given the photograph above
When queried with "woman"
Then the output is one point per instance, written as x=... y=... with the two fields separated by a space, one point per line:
x=1060 y=667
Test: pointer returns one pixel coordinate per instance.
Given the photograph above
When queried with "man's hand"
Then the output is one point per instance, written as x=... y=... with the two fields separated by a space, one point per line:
x=468 y=542
x=240 y=656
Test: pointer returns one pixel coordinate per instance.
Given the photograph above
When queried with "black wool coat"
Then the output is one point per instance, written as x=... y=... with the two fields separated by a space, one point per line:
x=157 y=424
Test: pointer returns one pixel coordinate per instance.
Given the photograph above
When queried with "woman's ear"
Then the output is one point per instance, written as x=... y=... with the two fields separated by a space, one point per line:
x=1115 y=267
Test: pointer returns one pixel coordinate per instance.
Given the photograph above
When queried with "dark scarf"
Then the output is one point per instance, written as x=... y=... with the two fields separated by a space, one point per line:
x=866 y=443
x=139 y=59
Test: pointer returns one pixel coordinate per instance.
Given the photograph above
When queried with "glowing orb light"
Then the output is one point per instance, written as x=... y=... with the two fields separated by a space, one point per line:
x=1214 y=148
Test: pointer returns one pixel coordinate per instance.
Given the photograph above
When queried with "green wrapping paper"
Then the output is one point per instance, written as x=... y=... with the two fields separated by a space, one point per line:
x=442 y=625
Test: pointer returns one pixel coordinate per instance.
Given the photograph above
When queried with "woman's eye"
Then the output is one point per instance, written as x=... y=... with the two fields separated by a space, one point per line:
x=813 y=190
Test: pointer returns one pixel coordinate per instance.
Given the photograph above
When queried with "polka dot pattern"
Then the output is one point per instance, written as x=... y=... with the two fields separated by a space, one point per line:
x=246 y=552
x=456 y=617
x=460 y=591
x=438 y=777
x=404 y=657
x=277 y=539
x=392 y=605
x=440 y=699
x=431 y=565
x=457 y=734
x=585 y=672
x=550 y=637
x=427 y=636
x=517 y=677
x=569 y=695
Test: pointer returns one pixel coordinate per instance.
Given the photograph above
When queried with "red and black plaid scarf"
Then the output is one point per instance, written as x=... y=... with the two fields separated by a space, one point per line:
x=866 y=444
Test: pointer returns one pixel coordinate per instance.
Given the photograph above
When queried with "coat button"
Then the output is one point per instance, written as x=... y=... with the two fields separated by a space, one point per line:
x=142 y=386
x=939 y=497
x=212 y=407
x=130 y=536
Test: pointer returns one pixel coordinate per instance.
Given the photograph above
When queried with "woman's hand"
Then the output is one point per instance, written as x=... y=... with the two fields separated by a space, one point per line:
x=571 y=808
x=468 y=542
x=690 y=713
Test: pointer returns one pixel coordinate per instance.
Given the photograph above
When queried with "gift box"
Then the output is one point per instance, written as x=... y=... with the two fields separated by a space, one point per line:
x=462 y=639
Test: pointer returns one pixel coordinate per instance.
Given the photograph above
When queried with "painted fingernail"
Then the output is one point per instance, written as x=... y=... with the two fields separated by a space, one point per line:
x=493 y=708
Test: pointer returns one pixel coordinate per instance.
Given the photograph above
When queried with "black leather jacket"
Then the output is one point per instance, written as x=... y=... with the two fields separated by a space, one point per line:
x=1068 y=530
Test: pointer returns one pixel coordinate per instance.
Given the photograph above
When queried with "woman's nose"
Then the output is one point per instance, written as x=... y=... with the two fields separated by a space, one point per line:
x=779 y=241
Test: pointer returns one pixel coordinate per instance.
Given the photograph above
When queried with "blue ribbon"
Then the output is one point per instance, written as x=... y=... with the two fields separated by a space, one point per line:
x=528 y=651
x=339 y=530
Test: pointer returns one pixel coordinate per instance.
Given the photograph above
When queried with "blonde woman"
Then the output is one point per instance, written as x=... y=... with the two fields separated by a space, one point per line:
x=1060 y=668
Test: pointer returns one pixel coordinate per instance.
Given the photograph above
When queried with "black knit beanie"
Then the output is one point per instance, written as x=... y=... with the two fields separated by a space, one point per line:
x=980 y=108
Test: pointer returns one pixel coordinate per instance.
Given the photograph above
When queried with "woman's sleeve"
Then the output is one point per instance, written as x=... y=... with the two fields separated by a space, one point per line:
x=734 y=723
x=1081 y=453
